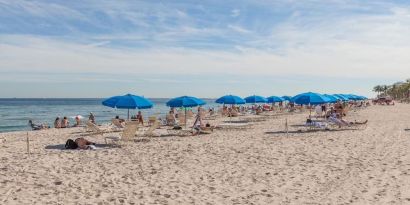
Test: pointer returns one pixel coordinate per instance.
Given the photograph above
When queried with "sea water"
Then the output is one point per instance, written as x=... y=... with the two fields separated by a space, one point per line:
x=15 y=113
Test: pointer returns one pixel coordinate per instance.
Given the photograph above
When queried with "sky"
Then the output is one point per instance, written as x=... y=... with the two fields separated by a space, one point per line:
x=208 y=48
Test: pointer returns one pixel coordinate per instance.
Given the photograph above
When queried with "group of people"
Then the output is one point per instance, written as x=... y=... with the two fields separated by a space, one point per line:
x=334 y=114
x=65 y=123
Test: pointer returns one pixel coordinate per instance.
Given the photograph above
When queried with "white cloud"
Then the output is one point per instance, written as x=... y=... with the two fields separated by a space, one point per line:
x=238 y=29
x=235 y=12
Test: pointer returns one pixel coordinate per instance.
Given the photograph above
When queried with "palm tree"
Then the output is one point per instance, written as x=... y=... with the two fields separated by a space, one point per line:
x=377 y=89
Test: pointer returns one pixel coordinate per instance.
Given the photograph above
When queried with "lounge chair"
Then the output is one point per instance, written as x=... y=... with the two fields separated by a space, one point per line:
x=170 y=120
x=127 y=134
x=315 y=124
x=189 y=114
x=152 y=119
x=181 y=119
x=117 y=125
x=95 y=130
x=151 y=129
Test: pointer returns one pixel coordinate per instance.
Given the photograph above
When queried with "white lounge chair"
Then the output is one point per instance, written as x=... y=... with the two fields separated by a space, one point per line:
x=117 y=124
x=95 y=130
x=150 y=132
x=127 y=134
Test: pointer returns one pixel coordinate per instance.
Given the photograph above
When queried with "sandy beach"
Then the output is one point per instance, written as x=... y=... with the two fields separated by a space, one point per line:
x=259 y=165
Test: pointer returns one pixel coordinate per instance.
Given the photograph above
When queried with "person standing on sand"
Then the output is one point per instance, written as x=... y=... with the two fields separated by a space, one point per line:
x=91 y=118
x=77 y=121
x=140 y=119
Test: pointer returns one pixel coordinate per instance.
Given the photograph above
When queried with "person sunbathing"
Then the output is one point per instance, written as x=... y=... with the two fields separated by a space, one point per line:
x=79 y=143
x=37 y=126
x=335 y=118
x=84 y=144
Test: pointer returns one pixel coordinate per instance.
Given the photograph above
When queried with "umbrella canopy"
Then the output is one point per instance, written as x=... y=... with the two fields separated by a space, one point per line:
x=337 y=97
x=332 y=98
x=353 y=97
x=287 y=98
x=310 y=98
x=128 y=102
x=350 y=96
x=255 y=99
x=357 y=97
x=185 y=101
x=230 y=99
x=273 y=99
x=342 y=97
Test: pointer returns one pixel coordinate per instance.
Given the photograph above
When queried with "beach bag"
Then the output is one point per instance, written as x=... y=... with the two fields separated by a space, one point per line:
x=70 y=144
x=177 y=127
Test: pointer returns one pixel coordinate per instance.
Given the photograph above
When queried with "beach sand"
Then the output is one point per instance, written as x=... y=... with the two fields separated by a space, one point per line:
x=254 y=166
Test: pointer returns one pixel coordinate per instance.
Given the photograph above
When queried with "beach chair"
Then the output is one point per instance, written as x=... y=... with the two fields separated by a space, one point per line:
x=170 y=120
x=151 y=129
x=317 y=124
x=206 y=130
x=95 y=130
x=117 y=125
x=189 y=114
x=152 y=119
x=181 y=119
x=127 y=134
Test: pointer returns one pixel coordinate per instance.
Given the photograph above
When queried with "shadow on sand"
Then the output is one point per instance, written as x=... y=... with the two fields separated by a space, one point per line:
x=62 y=146
x=308 y=131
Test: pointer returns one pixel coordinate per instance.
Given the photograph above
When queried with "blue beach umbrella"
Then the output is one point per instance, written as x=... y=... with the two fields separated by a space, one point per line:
x=255 y=99
x=230 y=100
x=274 y=99
x=310 y=98
x=342 y=97
x=337 y=97
x=357 y=97
x=363 y=97
x=350 y=96
x=185 y=101
x=332 y=98
x=128 y=102
x=288 y=98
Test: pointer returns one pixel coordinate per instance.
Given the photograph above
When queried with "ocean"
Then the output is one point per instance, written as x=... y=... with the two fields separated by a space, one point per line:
x=15 y=113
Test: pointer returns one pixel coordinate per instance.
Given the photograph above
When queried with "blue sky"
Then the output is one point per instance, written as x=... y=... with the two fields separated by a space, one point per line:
x=202 y=48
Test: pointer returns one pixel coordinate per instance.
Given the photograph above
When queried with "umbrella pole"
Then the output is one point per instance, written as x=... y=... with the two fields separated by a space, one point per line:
x=230 y=114
x=128 y=116
x=185 y=118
